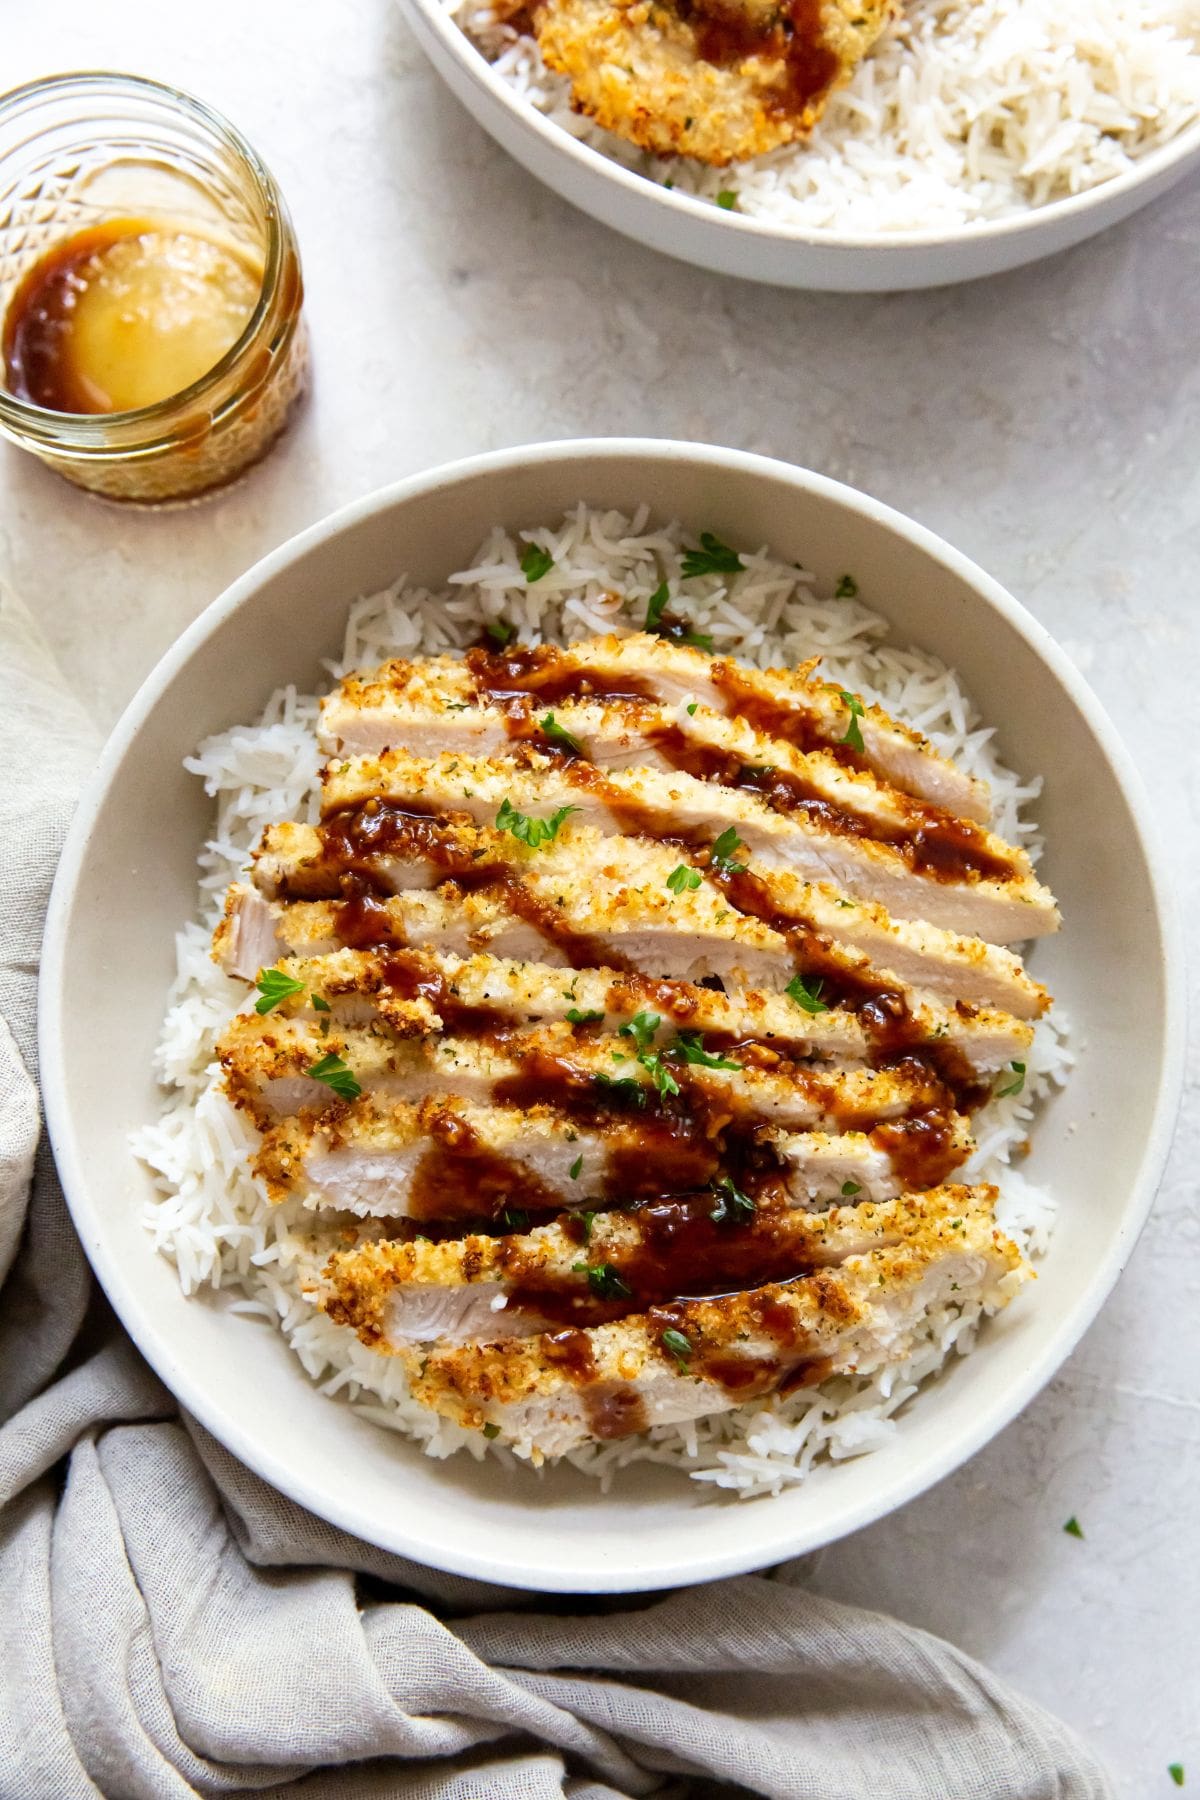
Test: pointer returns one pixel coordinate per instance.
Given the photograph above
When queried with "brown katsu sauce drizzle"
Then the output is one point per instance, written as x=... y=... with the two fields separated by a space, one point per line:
x=356 y=837
x=932 y=842
x=460 y=1176
x=795 y=36
x=548 y=675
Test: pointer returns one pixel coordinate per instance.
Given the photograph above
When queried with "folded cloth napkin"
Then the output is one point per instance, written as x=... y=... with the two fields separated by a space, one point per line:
x=175 y=1627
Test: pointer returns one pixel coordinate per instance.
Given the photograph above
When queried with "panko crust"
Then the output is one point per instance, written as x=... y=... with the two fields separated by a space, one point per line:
x=720 y=82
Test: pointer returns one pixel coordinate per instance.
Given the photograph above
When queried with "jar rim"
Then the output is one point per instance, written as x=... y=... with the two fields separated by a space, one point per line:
x=90 y=429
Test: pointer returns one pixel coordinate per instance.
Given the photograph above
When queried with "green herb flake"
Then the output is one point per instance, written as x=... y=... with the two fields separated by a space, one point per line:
x=662 y=1077
x=730 y=1205
x=587 y=1220
x=677 y=1345
x=723 y=852
x=575 y=1168
x=682 y=880
x=623 y=1089
x=854 y=736
x=850 y=1188
x=689 y=1047
x=534 y=832
x=557 y=734
x=806 y=995
x=846 y=589
x=273 y=986
x=535 y=563
x=604 y=1280
x=1015 y=1085
x=641 y=1028
x=1175 y=1771
x=691 y=707
x=576 y=1017
x=500 y=632
x=320 y=1005
x=656 y=605
x=491 y=1431
x=674 y=630
x=712 y=558
x=727 y=199
x=1073 y=1528
x=336 y=1075
x=515 y=1218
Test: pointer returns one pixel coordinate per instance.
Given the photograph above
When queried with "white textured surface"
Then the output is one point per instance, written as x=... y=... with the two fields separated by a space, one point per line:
x=1045 y=422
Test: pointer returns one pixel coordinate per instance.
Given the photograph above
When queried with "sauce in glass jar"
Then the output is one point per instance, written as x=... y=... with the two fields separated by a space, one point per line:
x=153 y=343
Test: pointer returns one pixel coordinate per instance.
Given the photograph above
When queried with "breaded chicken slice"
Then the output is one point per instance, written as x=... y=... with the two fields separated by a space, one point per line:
x=719 y=83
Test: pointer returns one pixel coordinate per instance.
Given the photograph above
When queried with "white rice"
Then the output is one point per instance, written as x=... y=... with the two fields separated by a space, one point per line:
x=965 y=111
x=209 y=1217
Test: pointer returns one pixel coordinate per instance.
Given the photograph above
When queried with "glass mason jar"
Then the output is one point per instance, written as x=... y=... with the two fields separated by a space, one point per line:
x=79 y=150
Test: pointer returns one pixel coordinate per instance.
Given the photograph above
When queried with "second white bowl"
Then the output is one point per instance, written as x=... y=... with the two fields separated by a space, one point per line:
x=697 y=232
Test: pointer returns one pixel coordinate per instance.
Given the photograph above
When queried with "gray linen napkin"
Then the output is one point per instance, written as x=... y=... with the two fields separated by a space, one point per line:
x=174 y=1627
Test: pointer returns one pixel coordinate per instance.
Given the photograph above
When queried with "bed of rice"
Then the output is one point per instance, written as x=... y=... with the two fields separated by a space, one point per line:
x=208 y=1216
x=965 y=111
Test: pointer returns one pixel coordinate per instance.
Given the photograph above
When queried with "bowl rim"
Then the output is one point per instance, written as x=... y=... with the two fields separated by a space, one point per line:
x=593 y=163
x=765 y=1545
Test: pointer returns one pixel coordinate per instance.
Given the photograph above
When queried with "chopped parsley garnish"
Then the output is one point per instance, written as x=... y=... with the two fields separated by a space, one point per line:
x=500 y=632
x=806 y=995
x=712 y=558
x=730 y=1205
x=491 y=1431
x=535 y=563
x=1175 y=1771
x=727 y=199
x=533 y=832
x=604 y=1281
x=656 y=605
x=689 y=1045
x=1016 y=1084
x=623 y=1088
x=755 y=771
x=677 y=1345
x=846 y=589
x=669 y=626
x=575 y=1168
x=1073 y=1528
x=690 y=708
x=682 y=879
x=850 y=1188
x=336 y=1075
x=854 y=736
x=273 y=986
x=641 y=1028
x=320 y=1005
x=557 y=734
x=575 y=1017
x=515 y=1218
x=723 y=851
x=587 y=1220
x=662 y=1077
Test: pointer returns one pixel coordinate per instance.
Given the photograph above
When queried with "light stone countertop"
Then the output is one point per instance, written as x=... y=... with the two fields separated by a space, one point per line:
x=1046 y=422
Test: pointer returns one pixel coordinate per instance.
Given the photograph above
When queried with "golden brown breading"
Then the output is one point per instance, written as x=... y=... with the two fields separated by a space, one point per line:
x=721 y=82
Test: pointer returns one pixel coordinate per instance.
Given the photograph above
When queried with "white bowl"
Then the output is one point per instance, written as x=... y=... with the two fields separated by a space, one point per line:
x=700 y=233
x=127 y=882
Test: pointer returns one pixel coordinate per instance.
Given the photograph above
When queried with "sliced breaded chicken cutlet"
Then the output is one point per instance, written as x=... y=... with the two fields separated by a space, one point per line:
x=689 y=1358
x=719 y=80
x=617 y=1023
